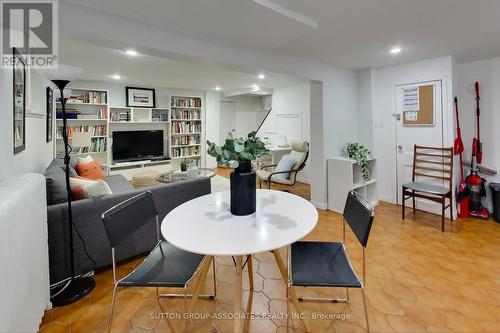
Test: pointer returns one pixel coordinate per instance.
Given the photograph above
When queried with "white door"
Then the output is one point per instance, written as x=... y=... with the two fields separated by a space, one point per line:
x=422 y=135
x=227 y=120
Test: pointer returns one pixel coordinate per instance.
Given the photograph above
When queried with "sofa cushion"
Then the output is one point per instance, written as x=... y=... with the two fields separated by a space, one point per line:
x=91 y=170
x=86 y=188
x=56 y=186
x=58 y=162
x=119 y=184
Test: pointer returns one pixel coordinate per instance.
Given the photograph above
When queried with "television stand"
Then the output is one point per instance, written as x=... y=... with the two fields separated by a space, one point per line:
x=129 y=169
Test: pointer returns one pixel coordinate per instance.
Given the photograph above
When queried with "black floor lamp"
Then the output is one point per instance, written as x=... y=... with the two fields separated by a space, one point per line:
x=75 y=288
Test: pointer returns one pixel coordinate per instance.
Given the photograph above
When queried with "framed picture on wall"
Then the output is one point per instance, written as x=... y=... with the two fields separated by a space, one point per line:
x=49 y=97
x=140 y=97
x=19 y=102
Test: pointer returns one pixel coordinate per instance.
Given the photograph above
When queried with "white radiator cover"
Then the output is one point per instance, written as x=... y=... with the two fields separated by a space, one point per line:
x=24 y=290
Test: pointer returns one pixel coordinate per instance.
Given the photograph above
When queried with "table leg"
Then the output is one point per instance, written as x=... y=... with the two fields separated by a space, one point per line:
x=291 y=290
x=238 y=294
x=250 y=271
x=199 y=283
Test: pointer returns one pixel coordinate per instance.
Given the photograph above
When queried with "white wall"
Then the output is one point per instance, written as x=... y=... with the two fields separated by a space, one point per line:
x=212 y=112
x=487 y=73
x=292 y=100
x=38 y=153
x=364 y=107
x=384 y=81
x=248 y=108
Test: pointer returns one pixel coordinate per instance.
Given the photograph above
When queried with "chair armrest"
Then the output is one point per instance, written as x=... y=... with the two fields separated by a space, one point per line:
x=268 y=166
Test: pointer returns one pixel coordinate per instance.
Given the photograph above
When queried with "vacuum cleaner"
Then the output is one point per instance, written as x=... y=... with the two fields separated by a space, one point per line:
x=475 y=184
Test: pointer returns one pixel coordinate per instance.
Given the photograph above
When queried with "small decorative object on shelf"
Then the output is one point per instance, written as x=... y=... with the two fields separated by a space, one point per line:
x=238 y=154
x=183 y=165
x=360 y=154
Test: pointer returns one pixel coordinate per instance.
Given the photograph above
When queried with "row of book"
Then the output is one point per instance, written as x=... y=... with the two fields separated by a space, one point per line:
x=120 y=116
x=186 y=151
x=93 y=130
x=190 y=102
x=186 y=140
x=72 y=113
x=186 y=127
x=98 y=145
x=186 y=114
x=158 y=115
x=96 y=97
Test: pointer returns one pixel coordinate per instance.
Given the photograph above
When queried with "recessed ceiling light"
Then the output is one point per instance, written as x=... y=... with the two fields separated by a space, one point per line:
x=255 y=87
x=131 y=52
x=396 y=50
x=217 y=88
x=262 y=76
x=116 y=76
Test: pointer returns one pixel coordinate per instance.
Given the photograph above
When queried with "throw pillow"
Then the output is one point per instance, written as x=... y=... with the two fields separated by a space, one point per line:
x=285 y=164
x=83 y=189
x=56 y=186
x=90 y=170
x=84 y=160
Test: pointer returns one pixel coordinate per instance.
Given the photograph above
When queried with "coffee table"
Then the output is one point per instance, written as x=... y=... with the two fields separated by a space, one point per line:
x=206 y=226
x=179 y=176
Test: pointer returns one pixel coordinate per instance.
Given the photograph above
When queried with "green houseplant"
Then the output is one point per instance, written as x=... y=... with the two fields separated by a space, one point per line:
x=238 y=154
x=360 y=154
x=238 y=151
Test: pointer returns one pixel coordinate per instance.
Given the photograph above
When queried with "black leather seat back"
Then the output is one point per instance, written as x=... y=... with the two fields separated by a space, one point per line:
x=128 y=216
x=358 y=217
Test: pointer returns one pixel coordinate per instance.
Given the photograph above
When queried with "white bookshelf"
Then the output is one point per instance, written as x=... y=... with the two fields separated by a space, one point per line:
x=186 y=119
x=344 y=175
x=91 y=109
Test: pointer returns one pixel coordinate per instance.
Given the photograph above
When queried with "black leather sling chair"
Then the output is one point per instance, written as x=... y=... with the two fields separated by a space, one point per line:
x=326 y=264
x=165 y=266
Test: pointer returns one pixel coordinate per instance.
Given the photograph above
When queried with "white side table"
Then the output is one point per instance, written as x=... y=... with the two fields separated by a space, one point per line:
x=206 y=226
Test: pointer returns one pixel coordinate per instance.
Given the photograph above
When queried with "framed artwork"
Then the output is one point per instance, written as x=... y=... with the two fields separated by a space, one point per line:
x=140 y=97
x=19 y=102
x=49 y=97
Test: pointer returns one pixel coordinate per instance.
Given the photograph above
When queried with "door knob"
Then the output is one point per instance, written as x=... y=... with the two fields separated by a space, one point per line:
x=400 y=147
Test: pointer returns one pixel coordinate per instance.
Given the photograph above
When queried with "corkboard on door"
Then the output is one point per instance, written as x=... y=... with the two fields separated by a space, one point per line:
x=425 y=114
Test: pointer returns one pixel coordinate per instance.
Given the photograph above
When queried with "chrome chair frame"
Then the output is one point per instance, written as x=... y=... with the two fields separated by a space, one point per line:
x=159 y=295
x=333 y=299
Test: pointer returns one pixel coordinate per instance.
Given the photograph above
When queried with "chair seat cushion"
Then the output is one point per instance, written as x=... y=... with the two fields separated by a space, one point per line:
x=166 y=266
x=285 y=164
x=322 y=264
x=264 y=175
x=427 y=188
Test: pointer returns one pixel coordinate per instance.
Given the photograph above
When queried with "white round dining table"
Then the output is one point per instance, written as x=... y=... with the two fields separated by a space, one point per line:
x=206 y=226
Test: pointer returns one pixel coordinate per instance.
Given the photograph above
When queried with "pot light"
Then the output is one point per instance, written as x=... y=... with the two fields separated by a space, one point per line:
x=217 y=88
x=116 y=76
x=262 y=76
x=255 y=87
x=396 y=50
x=132 y=53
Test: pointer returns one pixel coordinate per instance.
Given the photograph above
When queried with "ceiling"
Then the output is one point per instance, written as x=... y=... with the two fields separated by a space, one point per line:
x=351 y=33
x=100 y=63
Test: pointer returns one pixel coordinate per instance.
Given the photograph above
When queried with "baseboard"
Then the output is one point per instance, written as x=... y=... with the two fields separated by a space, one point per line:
x=320 y=205
x=303 y=180
x=386 y=199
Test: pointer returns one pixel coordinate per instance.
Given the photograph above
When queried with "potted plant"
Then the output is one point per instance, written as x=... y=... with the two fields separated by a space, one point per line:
x=360 y=154
x=238 y=154
x=184 y=165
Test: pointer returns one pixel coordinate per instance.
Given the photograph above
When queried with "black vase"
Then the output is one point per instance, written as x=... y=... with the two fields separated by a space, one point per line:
x=243 y=190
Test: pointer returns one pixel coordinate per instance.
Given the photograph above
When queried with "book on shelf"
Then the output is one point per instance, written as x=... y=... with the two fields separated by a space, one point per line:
x=94 y=130
x=186 y=140
x=93 y=97
x=120 y=116
x=184 y=151
x=186 y=114
x=98 y=145
x=159 y=115
x=189 y=102
x=186 y=127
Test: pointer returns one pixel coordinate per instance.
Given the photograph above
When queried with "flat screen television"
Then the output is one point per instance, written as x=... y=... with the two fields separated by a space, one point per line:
x=137 y=145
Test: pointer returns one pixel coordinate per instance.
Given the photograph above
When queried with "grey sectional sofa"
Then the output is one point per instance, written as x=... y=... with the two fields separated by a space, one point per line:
x=87 y=220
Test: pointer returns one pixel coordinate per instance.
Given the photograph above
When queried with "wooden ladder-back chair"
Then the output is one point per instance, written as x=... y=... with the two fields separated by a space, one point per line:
x=436 y=164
